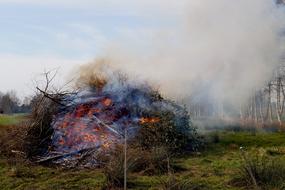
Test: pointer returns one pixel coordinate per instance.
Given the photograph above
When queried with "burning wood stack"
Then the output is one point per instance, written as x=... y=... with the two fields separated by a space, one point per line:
x=72 y=129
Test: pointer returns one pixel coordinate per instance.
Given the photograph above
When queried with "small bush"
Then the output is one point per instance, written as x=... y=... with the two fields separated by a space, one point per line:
x=174 y=130
x=156 y=161
x=147 y=162
x=262 y=172
x=39 y=132
x=113 y=167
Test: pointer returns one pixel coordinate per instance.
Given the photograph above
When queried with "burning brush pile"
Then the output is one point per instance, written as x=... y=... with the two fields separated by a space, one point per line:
x=107 y=110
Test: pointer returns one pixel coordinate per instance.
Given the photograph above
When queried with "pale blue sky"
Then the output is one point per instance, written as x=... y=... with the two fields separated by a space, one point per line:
x=37 y=35
x=31 y=28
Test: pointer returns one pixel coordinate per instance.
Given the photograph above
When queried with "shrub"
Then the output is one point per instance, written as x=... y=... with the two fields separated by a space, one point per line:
x=113 y=168
x=262 y=172
x=38 y=138
x=174 y=130
x=155 y=161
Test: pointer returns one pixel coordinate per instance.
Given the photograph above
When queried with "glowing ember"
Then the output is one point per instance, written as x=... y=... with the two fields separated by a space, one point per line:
x=144 y=120
x=107 y=102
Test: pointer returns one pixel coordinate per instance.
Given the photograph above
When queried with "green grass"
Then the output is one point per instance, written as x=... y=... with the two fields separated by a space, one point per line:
x=6 y=120
x=253 y=139
x=214 y=168
x=38 y=177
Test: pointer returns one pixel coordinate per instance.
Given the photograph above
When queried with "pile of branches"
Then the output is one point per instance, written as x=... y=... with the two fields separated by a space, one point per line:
x=39 y=131
x=174 y=130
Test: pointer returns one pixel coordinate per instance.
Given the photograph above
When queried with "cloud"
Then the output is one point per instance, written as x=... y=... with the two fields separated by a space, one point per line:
x=63 y=28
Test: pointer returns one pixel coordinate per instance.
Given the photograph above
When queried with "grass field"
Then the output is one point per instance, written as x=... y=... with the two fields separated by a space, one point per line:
x=6 y=120
x=215 y=167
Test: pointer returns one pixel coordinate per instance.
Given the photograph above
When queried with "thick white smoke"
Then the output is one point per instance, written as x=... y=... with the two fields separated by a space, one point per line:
x=221 y=49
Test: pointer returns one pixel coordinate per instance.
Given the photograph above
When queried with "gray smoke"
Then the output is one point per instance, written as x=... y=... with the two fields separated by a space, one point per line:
x=220 y=49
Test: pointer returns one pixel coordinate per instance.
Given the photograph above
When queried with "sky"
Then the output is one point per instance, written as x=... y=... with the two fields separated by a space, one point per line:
x=173 y=43
x=37 y=36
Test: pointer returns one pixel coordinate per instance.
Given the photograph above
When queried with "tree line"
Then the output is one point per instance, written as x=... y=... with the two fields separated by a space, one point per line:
x=11 y=103
x=265 y=105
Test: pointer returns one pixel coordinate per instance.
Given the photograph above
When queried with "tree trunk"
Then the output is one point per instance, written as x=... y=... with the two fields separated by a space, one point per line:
x=255 y=108
x=260 y=111
x=269 y=106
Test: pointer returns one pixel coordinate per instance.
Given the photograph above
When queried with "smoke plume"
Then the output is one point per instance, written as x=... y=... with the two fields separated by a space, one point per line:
x=221 y=50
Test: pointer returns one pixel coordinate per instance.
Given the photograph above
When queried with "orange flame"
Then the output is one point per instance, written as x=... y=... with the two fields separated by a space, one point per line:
x=92 y=111
x=106 y=145
x=61 y=142
x=89 y=138
x=107 y=101
x=66 y=121
x=144 y=120
x=80 y=111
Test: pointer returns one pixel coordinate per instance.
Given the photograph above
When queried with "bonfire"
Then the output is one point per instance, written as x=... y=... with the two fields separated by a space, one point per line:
x=74 y=128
